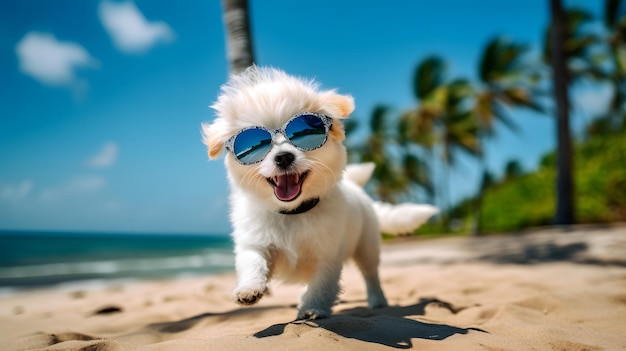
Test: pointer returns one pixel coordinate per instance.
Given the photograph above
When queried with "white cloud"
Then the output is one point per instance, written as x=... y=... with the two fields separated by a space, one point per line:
x=106 y=157
x=51 y=61
x=86 y=184
x=16 y=191
x=75 y=187
x=129 y=29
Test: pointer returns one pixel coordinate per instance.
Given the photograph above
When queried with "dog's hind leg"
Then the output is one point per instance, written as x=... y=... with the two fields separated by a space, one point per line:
x=367 y=258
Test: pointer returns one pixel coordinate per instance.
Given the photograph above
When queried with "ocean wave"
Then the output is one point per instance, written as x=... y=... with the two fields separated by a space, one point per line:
x=211 y=260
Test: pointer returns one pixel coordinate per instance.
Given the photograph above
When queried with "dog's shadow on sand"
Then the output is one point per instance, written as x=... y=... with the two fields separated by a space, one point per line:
x=385 y=326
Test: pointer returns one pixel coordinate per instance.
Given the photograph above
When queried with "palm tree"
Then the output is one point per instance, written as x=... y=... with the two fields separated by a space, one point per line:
x=506 y=80
x=457 y=129
x=416 y=126
x=238 y=37
x=559 y=59
x=383 y=146
x=442 y=121
x=399 y=171
x=569 y=51
x=388 y=182
x=416 y=171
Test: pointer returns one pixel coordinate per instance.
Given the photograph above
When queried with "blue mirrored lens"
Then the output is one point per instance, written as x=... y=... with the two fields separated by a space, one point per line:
x=306 y=132
x=252 y=145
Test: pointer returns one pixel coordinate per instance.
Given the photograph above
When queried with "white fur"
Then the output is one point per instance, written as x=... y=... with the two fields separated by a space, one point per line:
x=310 y=247
x=402 y=218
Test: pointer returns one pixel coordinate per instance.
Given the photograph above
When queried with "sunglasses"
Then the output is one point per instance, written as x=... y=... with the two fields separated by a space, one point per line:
x=306 y=131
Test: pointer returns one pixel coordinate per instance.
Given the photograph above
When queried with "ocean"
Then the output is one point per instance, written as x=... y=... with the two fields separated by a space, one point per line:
x=37 y=259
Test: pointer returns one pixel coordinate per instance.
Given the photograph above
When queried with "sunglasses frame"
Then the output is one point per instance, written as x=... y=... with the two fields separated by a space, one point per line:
x=328 y=123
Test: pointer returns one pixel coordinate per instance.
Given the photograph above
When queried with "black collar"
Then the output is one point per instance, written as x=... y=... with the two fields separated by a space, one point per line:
x=304 y=207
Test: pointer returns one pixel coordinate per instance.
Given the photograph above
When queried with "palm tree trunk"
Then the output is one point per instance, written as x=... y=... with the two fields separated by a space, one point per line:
x=565 y=200
x=476 y=230
x=434 y=191
x=445 y=194
x=238 y=37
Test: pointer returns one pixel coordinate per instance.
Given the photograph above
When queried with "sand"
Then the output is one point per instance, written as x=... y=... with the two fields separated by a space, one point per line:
x=544 y=290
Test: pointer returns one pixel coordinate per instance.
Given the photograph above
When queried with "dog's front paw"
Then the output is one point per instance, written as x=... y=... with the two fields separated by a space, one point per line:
x=312 y=313
x=248 y=296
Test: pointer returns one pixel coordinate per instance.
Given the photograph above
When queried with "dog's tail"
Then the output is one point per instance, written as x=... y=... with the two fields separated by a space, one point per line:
x=402 y=218
x=393 y=219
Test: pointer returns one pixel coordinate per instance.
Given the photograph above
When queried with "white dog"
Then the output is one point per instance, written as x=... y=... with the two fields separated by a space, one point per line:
x=295 y=216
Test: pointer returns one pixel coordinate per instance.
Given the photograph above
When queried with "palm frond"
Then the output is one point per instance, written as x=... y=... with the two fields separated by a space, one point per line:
x=502 y=60
x=378 y=120
x=429 y=75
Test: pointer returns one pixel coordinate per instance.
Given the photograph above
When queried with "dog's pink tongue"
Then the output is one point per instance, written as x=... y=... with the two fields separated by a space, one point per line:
x=287 y=187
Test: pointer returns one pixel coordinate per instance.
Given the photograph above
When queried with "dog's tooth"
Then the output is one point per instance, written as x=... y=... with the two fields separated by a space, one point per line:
x=297 y=178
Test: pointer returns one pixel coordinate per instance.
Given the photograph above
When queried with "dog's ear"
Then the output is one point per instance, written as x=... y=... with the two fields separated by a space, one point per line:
x=338 y=106
x=214 y=138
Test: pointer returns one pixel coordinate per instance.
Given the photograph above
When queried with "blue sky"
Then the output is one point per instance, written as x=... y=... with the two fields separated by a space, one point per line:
x=101 y=101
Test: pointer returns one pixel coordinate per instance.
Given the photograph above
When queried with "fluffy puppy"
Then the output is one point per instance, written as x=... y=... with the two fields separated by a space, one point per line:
x=295 y=216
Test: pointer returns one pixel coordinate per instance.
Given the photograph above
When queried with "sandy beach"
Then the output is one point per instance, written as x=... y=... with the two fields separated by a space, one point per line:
x=547 y=289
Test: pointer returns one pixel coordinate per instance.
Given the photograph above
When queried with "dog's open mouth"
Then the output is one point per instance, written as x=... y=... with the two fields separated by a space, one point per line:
x=288 y=186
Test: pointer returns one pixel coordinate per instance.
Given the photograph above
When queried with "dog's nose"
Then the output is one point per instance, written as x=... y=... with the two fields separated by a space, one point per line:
x=284 y=160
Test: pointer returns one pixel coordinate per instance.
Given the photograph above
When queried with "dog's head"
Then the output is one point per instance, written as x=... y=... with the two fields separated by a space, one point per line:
x=267 y=100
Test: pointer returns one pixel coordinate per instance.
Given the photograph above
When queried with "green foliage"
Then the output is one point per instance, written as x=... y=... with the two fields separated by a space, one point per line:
x=429 y=76
x=601 y=184
x=508 y=80
x=501 y=61
x=600 y=192
x=526 y=201
x=513 y=169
